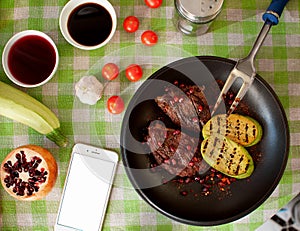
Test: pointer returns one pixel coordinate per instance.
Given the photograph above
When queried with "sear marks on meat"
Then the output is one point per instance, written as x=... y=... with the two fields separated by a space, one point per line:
x=186 y=106
x=174 y=151
x=197 y=96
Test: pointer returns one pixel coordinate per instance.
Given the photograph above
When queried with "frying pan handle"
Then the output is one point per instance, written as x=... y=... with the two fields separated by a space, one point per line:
x=274 y=11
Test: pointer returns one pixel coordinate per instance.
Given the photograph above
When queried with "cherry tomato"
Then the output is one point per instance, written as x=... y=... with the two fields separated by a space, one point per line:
x=110 y=71
x=134 y=72
x=153 y=3
x=149 y=38
x=115 y=104
x=131 y=24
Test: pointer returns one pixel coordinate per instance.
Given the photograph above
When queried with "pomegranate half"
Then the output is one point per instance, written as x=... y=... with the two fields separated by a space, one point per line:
x=28 y=172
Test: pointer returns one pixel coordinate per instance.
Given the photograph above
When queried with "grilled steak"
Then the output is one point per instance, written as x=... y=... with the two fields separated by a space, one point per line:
x=186 y=106
x=175 y=151
x=197 y=96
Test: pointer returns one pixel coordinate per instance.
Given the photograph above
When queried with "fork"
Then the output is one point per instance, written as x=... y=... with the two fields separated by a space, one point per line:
x=245 y=68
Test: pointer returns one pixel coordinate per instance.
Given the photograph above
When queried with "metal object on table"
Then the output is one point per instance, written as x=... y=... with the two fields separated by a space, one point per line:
x=245 y=68
x=296 y=212
x=193 y=17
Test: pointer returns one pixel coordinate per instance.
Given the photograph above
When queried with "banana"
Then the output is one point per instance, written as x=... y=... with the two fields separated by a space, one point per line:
x=21 y=107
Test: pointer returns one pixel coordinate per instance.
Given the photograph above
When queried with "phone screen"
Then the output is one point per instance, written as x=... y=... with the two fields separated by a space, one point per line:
x=86 y=192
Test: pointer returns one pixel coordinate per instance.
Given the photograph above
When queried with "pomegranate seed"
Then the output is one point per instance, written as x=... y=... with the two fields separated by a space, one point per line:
x=221 y=184
x=228 y=181
x=195 y=120
x=200 y=108
x=176 y=132
x=188 y=147
x=219 y=176
x=174 y=162
x=180 y=100
x=204 y=189
x=188 y=180
x=197 y=178
x=153 y=165
x=231 y=95
x=180 y=180
x=224 y=180
x=191 y=164
x=18 y=156
x=184 y=193
x=172 y=149
x=175 y=98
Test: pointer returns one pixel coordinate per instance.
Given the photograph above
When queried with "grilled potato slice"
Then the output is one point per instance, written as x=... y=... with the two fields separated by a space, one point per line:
x=226 y=156
x=243 y=130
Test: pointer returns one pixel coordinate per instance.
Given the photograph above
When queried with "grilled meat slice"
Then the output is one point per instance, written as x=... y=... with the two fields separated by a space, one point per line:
x=175 y=151
x=186 y=106
x=197 y=96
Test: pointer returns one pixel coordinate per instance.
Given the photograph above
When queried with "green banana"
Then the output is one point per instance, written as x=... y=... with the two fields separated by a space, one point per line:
x=21 y=107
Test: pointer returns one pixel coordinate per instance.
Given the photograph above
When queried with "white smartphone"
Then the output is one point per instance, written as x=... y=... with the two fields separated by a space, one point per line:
x=87 y=189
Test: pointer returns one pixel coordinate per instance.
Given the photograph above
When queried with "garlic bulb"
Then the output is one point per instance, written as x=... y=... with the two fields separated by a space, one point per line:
x=89 y=90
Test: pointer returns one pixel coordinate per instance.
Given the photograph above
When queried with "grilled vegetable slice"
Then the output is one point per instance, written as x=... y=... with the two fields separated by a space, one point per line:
x=19 y=106
x=227 y=156
x=243 y=130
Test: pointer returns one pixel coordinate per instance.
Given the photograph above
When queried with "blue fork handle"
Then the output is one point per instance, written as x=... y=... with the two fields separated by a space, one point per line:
x=274 y=11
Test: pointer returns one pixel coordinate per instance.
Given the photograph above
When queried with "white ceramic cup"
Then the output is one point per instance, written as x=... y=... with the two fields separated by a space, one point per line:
x=7 y=50
x=72 y=5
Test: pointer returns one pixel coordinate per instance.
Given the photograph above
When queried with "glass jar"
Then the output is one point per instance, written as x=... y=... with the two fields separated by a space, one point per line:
x=193 y=17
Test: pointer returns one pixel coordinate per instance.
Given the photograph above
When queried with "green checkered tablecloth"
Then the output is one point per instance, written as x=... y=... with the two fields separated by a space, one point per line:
x=231 y=36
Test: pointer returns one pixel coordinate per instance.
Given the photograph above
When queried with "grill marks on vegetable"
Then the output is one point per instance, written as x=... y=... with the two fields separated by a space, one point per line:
x=241 y=129
x=23 y=175
x=227 y=156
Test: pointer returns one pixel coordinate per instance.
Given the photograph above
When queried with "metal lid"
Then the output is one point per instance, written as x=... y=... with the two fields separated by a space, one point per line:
x=199 y=11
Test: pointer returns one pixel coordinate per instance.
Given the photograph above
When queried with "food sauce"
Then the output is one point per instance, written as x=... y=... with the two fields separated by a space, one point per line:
x=90 y=24
x=31 y=59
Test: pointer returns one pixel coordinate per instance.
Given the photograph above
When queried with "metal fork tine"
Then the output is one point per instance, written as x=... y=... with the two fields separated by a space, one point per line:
x=230 y=80
x=241 y=93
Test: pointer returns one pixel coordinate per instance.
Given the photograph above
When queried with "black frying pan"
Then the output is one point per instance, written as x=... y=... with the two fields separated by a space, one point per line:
x=217 y=208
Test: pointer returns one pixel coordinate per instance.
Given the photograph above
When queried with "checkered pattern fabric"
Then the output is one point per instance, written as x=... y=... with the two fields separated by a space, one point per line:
x=231 y=35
